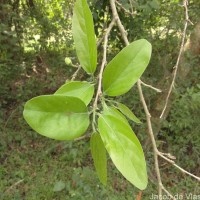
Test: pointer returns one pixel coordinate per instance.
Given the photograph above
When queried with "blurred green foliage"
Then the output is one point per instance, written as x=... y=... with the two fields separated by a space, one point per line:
x=35 y=39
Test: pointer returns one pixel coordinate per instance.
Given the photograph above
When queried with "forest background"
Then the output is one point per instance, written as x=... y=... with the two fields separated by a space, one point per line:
x=36 y=38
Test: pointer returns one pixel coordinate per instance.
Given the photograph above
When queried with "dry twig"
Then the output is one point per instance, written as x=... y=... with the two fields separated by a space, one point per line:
x=175 y=165
x=75 y=73
x=103 y=64
x=150 y=86
x=185 y=3
x=99 y=92
x=124 y=9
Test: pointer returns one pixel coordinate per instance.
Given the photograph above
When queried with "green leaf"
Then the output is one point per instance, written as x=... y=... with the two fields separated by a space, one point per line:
x=128 y=113
x=59 y=186
x=81 y=90
x=57 y=117
x=124 y=149
x=99 y=157
x=113 y=111
x=126 y=68
x=84 y=36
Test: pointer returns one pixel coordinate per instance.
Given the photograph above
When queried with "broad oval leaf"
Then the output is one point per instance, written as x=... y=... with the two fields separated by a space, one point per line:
x=126 y=67
x=124 y=149
x=84 y=36
x=128 y=113
x=57 y=117
x=81 y=90
x=99 y=157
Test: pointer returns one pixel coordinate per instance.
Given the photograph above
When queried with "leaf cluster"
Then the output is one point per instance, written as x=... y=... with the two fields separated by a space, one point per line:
x=65 y=115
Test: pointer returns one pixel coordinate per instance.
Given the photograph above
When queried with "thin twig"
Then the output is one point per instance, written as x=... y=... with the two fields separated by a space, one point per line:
x=177 y=166
x=116 y=17
x=153 y=141
x=131 y=4
x=100 y=41
x=82 y=138
x=167 y=192
x=185 y=3
x=99 y=92
x=103 y=64
x=150 y=86
x=124 y=9
x=75 y=73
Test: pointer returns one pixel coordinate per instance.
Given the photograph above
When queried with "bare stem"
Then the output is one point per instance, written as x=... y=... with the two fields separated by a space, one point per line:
x=167 y=192
x=185 y=3
x=177 y=166
x=153 y=141
x=131 y=4
x=116 y=17
x=99 y=91
x=75 y=73
x=124 y=9
x=150 y=86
